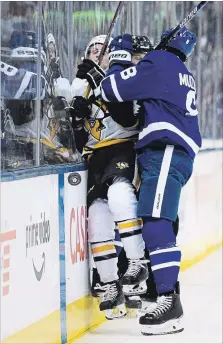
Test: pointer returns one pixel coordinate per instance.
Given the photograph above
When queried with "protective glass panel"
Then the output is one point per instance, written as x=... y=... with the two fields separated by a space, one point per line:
x=43 y=42
x=18 y=83
x=152 y=18
x=57 y=137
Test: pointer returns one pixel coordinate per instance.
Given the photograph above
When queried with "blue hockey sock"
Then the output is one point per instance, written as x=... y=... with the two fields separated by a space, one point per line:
x=118 y=242
x=165 y=256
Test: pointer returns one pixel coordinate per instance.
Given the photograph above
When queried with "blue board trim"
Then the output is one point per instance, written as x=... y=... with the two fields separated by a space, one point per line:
x=41 y=171
x=63 y=311
x=56 y=169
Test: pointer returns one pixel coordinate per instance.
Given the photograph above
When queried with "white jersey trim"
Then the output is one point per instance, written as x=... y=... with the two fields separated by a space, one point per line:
x=168 y=126
x=165 y=265
x=24 y=84
x=165 y=250
x=104 y=96
x=115 y=89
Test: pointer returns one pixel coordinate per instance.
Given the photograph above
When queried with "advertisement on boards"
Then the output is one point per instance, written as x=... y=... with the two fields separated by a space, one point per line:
x=77 y=271
x=29 y=251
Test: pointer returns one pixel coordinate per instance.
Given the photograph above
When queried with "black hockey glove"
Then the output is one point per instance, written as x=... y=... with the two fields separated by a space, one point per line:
x=81 y=107
x=59 y=104
x=92 y=72
x=77 y=123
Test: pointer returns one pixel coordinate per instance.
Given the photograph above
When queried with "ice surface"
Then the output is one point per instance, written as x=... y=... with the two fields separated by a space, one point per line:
x=201 y=290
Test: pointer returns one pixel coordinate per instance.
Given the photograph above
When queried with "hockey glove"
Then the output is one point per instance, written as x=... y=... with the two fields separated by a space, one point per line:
x=121 y=50
x=81 y=107
x=77 y=123
x=58 y=106
x=92 y=72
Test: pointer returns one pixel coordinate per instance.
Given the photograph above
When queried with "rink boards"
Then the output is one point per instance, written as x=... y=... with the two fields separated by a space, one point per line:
x=45 y=274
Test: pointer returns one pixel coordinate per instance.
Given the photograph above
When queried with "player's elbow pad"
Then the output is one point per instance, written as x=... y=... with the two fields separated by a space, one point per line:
x=122 y=113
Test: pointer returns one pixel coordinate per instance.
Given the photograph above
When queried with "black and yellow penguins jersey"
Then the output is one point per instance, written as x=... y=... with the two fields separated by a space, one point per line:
x=103 y=127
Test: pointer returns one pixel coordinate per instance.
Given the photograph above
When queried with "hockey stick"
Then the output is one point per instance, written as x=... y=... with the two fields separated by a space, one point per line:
x=160 y=45
x=108 y=36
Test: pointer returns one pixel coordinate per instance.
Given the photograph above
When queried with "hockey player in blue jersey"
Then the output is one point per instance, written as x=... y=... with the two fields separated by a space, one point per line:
x=18 y=93
x=109 y=150
x=168 y=143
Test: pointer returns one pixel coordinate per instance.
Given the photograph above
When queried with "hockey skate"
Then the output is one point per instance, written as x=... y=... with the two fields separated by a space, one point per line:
x=97 y=289
x=96 y=285
x=148 y=304
x=166 y=318
x=113 y=301
x=149 y=298
x=134 y=280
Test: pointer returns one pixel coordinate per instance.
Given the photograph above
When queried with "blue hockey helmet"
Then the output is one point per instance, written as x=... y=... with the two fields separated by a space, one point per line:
x=182 y=44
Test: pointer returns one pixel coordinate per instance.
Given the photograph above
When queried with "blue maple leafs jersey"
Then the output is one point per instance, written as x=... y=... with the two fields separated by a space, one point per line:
x=167 y=92
x=19 y=83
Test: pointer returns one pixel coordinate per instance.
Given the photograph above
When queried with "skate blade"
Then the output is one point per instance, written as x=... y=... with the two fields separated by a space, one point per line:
x=171 y=326
x=134 y=290
x=115 y=313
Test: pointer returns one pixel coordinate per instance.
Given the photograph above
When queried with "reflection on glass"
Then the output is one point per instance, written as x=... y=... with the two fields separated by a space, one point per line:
x=56 y=130
x=18 y=83
x=66 y=31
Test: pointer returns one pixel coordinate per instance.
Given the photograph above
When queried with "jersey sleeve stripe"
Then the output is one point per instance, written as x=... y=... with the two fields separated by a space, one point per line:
x=168 y=126
x=103 y=95
x=23 y=85
x=115 y=89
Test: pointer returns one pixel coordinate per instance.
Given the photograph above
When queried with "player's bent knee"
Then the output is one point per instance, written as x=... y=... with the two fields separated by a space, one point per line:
x=100 y=222
x=122 y=200
x=165 y=207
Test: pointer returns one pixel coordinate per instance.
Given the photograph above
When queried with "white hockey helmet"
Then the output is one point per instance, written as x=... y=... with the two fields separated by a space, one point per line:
x=96 y=40
x=50 y=39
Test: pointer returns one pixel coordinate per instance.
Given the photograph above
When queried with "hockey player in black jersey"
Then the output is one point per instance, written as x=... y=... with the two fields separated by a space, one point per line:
x=108 y=146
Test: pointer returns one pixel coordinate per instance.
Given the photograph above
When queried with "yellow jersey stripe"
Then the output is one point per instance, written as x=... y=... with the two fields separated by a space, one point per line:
x=129 y=224
x=102 y=248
